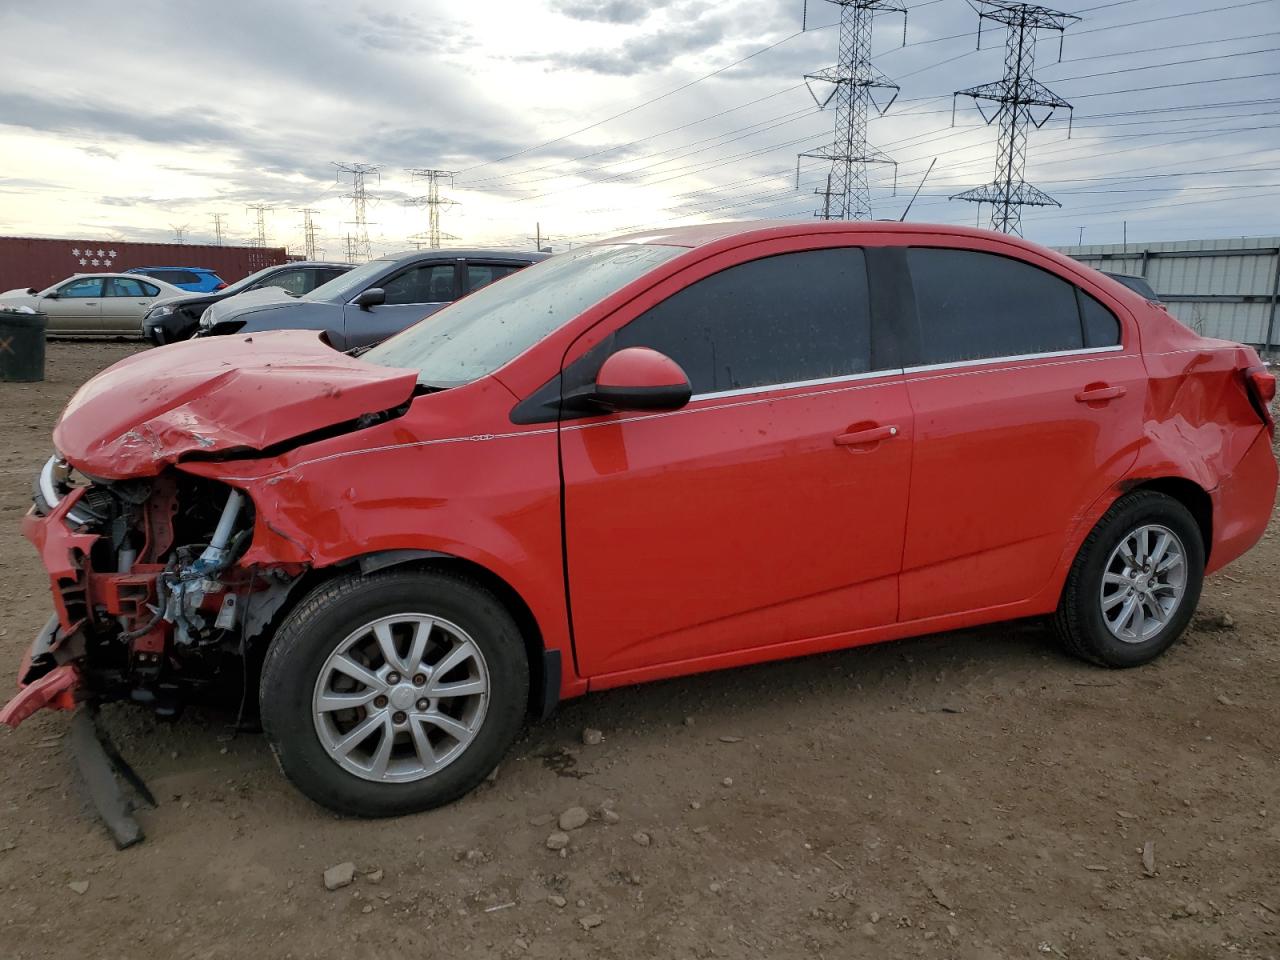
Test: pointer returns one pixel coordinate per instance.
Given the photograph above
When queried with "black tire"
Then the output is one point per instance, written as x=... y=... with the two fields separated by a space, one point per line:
x=1079 y=622
x=330 y=613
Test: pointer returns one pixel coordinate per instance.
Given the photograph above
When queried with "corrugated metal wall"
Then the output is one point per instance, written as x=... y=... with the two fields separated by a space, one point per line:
x=38 y=262
x=1221 y=288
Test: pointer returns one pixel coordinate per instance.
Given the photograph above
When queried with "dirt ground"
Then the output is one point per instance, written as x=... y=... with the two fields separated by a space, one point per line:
x=972 y=795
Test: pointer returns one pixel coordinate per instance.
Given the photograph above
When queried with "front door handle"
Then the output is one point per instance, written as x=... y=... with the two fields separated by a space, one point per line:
x=1101 y=393
x=860 y=437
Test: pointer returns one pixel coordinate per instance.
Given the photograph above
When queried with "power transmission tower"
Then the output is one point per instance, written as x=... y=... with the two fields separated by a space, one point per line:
x=260 y=212
x=539 y=239
x=308 y=231
x=179 y=232
x=433 y=202
x=1016 y=94
x=825 y=212
x=218 y=218
x=359 y=199
x=854 y=82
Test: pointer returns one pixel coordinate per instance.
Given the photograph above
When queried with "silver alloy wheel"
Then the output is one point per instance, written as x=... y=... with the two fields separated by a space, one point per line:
x=401 y=698
x=1143 y=583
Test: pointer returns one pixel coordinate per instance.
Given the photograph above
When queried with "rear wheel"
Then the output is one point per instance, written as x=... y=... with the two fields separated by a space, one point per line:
x=1135 y=582
x=393 y=693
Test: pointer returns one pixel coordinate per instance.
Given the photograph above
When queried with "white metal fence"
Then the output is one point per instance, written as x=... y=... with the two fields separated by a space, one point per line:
x=1221 y=288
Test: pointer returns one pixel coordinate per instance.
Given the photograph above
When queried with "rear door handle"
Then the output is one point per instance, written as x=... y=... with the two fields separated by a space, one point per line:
x=861 y=437
x=1096 y=394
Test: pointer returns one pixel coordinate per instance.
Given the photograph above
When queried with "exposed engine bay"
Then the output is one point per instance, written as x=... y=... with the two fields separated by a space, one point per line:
x=155 y=608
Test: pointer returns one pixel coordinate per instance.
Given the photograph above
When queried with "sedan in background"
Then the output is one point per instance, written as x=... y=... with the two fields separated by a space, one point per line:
x=171 y=320
x=94 y=304
x=374 y=300
x=194 y=279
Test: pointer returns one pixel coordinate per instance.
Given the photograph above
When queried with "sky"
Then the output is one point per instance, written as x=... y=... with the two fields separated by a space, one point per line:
x=587 y=118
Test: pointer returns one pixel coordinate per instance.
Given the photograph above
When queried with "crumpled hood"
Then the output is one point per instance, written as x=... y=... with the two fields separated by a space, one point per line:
x=224 y=393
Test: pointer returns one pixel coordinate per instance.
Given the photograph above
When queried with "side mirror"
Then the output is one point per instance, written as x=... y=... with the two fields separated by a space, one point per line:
x=373 y=297
x=638 y=378
x=51 y=295
x=32 y=291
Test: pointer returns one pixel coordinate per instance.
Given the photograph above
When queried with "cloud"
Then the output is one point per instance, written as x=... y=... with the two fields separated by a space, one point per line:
x=608 y=11
x=393 y=33
x=639 y=54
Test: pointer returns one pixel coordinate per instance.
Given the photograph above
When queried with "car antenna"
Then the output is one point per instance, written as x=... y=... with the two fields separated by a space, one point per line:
x=917 y=193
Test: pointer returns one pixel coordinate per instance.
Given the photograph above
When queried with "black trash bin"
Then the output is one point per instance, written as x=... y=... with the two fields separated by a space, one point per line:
x=22 y=346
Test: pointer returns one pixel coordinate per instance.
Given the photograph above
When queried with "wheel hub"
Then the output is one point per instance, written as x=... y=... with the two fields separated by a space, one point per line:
x=403 y=696
x=1143 y=583
x=400 y=698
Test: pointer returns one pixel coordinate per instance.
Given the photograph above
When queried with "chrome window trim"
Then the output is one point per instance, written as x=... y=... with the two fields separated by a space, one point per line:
x=955 y=364
x=794 y=384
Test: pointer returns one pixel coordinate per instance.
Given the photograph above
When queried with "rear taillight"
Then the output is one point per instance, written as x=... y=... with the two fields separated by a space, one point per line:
x=1261 y=384
x=221 y=285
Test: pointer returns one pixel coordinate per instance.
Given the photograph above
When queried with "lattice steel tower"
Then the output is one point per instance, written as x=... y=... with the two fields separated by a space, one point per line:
x=358 y=244
x=308 y=231
x=433 y=202
x=260 y=219
x=1017 y=94
x=854 y=82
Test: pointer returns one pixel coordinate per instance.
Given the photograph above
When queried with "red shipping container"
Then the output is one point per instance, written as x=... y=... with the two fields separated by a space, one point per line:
x=38 y=262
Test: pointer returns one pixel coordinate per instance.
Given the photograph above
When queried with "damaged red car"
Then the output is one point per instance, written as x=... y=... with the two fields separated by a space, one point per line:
x=648 y=457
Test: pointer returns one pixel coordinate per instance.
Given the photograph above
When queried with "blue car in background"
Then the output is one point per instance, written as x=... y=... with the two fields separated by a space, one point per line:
x=195 y=279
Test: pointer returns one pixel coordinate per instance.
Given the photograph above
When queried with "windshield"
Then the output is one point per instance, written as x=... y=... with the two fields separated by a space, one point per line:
x=347 y=285
x=479 y=333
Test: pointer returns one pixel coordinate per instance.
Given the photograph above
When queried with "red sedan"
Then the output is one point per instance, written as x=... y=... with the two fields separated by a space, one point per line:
x=652 y=456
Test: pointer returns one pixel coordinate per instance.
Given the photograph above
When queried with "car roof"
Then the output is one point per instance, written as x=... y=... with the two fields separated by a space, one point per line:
x=122 y=276
x=193 y=269
x=730 y=234
x=474 y=253
x=309 y=263
x=703 y=234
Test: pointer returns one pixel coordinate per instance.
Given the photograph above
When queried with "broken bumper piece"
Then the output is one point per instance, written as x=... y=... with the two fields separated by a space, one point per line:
x=100 y=764
x=40 y=683
x=103 y=770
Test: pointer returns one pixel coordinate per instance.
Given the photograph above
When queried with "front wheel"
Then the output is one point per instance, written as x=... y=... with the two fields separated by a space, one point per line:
x=393 y=693
x=1135 y=582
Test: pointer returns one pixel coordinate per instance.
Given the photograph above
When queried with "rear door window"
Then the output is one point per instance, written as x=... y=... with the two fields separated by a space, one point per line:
x=975 y=306
x=1101 y=328
x=127 y=287
x=784 y=319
